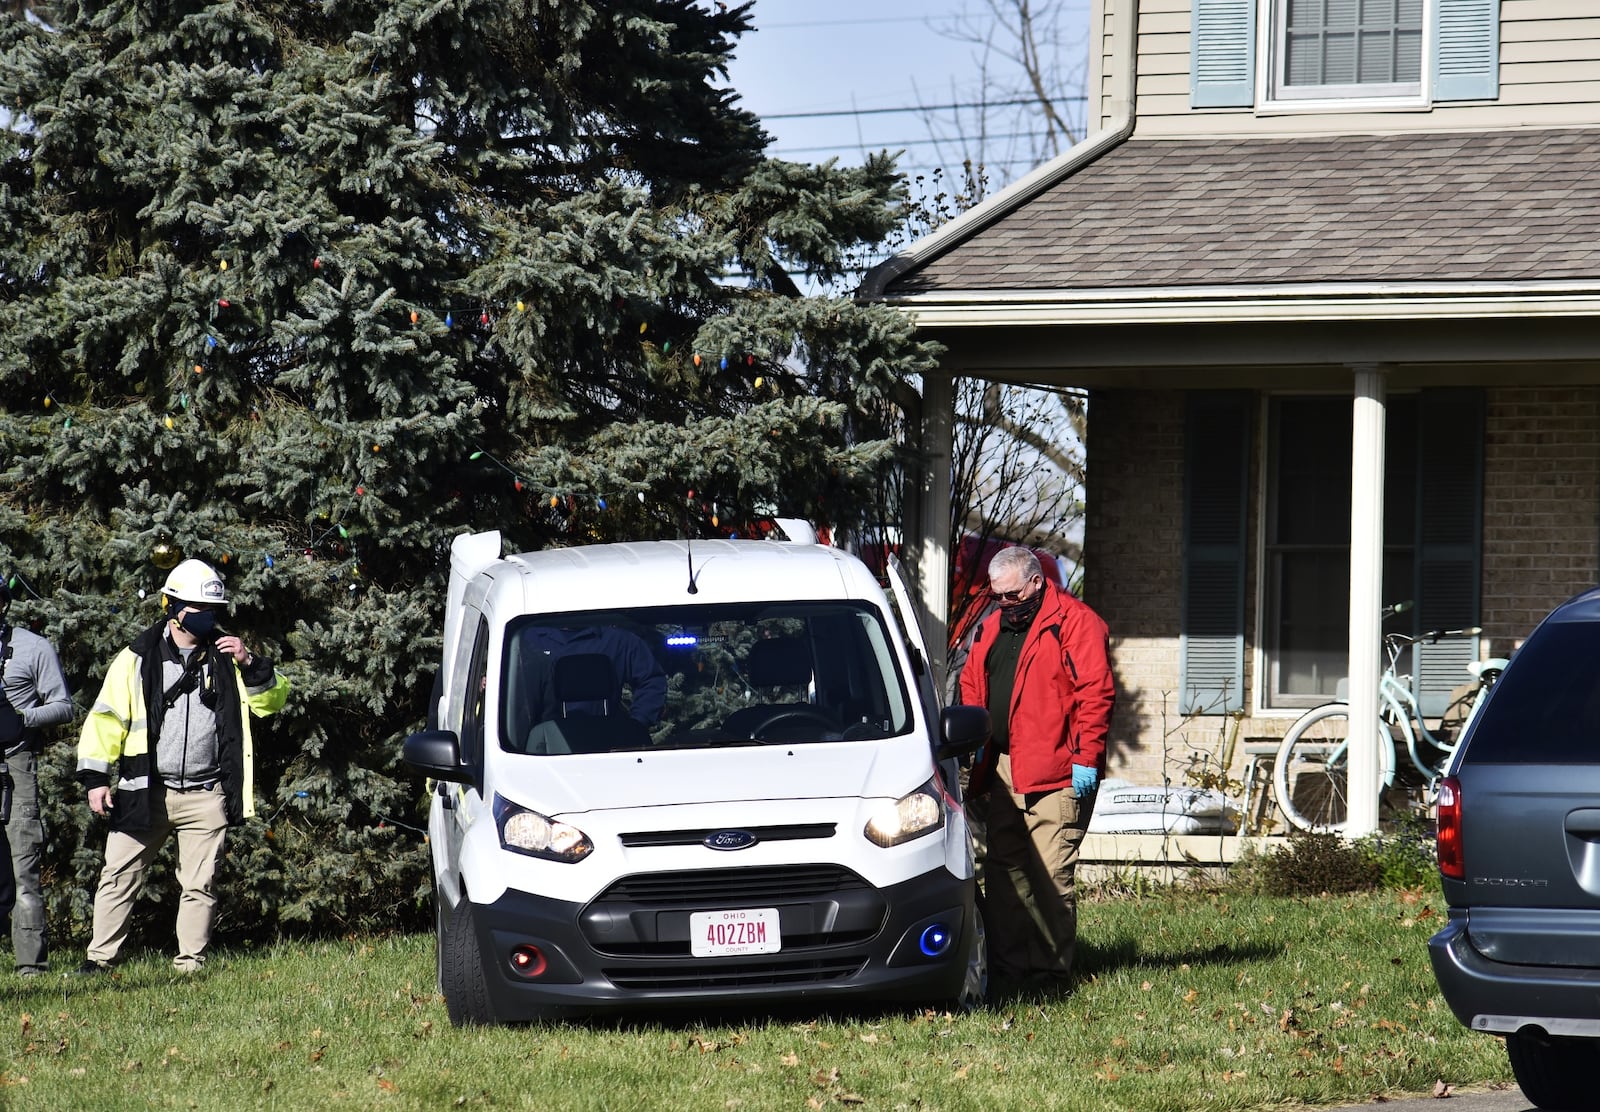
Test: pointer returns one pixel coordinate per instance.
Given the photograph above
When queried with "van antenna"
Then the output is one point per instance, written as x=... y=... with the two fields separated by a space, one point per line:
x=689 y=552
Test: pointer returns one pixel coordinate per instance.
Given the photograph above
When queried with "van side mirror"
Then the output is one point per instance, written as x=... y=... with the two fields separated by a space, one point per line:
x=436 y=753
x=962 y=730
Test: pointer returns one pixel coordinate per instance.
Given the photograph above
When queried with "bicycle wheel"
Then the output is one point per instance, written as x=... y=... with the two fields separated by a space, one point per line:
x=1311 y=774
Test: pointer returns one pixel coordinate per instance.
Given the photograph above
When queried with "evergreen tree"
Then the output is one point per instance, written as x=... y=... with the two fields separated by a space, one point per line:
x=304 y=290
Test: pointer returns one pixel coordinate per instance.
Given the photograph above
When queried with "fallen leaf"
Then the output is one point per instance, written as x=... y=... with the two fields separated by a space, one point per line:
x=27 y=1023
x=386 y=1085
x=790 y=1059
x=851 y=1098
x=1441 y=1090
x=961 y=1074
x=869 y=1037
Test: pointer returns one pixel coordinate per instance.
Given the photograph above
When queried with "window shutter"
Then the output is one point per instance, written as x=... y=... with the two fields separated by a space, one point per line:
x=1216 y=448
x=1466 y=60
x=1449 y=541
x=1222 y=54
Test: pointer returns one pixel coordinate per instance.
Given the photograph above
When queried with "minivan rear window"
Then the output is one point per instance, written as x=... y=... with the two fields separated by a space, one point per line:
x=1546 y=707
x=704 y=676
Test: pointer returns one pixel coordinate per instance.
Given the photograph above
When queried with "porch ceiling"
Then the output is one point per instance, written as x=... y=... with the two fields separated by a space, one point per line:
x=1312 y=355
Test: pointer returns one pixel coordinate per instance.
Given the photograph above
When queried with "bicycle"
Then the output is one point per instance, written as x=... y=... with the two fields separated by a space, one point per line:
x=1311 y=774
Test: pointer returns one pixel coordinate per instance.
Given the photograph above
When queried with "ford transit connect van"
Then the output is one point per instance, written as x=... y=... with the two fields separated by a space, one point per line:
x=669 y=773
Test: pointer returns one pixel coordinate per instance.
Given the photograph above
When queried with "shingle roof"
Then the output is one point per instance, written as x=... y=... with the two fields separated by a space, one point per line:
x=1471 y=207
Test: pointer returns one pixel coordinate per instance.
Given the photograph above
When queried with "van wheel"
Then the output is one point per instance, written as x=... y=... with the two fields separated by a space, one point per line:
x=975 y=986
x=461 y=978
x=1555 y=1073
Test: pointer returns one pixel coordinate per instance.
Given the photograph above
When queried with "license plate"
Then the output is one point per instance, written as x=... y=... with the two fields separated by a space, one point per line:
x=722 y=933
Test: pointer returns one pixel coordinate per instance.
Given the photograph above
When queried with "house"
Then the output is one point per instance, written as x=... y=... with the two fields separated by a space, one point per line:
x=1331 y=275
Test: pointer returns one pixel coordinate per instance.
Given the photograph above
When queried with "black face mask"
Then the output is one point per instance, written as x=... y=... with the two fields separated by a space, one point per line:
x=1022 y=613
x=201 y=623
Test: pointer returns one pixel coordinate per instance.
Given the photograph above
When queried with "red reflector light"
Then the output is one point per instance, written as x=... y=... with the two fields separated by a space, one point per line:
x=1452 y=862
x=529 y=961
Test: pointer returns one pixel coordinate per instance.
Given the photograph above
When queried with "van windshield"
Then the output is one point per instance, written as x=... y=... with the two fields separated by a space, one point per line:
x=699 y=677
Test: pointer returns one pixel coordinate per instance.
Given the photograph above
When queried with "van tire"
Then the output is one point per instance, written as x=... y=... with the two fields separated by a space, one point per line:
x=1554 y=1073
x=975 y=985
x=466 y=992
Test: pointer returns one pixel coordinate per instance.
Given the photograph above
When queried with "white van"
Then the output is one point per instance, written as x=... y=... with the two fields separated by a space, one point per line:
x=710 y=773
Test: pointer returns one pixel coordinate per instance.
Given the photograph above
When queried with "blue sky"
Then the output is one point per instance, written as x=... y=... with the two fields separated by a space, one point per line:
x=865 y=56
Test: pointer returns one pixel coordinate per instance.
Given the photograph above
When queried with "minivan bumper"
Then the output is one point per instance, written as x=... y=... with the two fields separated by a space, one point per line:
x=1501 y=998
x=650 y=963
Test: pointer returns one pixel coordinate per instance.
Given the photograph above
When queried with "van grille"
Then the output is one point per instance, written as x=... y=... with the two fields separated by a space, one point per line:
x=719 y=888
x=796 y=832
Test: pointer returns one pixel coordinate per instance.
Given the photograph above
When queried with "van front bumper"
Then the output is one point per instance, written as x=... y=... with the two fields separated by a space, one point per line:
x=840 y=939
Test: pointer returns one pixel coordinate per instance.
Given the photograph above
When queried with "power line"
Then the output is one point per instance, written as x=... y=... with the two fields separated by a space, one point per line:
x=847 y=22
x=918 y=108
x=956 y=140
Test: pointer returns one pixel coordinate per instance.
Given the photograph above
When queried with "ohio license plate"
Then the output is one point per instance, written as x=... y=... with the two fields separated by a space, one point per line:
x=722 y=933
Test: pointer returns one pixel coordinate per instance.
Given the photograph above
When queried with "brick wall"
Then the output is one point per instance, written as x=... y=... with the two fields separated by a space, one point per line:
x=1541 y=505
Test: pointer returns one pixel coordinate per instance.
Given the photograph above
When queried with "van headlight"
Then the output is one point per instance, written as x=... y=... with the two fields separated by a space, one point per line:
x=910 y=816
x=525 y=831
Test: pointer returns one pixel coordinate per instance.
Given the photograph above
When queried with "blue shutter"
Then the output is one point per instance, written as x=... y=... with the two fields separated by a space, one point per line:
x=1449 y=539
x=1216 y=482
x=1222 y=54
x=1466 y=56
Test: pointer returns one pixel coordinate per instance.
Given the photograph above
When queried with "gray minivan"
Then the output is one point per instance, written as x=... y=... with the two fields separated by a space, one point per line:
x=1519 y=853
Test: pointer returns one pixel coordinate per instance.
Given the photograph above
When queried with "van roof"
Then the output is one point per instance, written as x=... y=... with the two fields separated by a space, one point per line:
x=654 y=573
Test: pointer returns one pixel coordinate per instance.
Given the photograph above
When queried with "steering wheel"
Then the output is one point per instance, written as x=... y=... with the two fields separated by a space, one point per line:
x=798 y=714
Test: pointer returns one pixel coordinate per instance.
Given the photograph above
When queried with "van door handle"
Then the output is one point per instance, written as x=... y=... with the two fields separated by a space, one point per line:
x=1584 y=822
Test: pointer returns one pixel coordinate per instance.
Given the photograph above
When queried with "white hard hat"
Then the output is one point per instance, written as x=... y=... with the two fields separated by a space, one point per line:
x=195 y=581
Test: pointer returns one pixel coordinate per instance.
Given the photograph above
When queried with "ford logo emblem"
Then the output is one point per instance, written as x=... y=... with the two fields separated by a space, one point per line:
x=731 y=839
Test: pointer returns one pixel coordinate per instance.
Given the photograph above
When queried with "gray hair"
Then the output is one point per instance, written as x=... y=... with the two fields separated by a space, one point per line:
x=1018 y=559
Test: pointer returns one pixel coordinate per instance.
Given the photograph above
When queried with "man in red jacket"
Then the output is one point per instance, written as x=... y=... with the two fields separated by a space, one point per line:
x=1040 y=664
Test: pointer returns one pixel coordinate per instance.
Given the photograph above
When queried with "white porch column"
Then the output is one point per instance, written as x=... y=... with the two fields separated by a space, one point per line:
x=932 y=549
x=1366 y=595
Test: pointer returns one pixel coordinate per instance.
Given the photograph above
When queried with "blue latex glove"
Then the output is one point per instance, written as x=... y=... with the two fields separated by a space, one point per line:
x=1085 y=779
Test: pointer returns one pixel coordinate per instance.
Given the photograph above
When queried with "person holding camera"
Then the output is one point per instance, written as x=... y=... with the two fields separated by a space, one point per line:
x=171 y=718
x=33 y=695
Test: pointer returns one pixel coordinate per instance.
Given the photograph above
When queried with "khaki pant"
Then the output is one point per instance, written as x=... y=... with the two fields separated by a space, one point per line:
x=1030 y=894
x=200 y=822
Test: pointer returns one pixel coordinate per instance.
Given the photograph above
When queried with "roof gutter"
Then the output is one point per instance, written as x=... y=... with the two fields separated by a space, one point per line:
x=980 y=216
x=1322 y=301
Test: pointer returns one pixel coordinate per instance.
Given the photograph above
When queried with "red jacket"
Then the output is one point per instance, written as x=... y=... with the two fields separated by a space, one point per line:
x=1061 y=704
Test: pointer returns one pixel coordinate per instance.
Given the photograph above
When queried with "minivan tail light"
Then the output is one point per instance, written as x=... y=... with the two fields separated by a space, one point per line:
x=1452 y=862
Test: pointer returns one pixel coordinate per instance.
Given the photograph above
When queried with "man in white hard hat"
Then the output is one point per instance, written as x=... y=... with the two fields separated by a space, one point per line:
x=170 y=718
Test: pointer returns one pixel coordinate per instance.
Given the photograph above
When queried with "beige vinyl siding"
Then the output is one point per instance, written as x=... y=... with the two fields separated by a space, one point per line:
x=1104 y=75
x=1549 y=75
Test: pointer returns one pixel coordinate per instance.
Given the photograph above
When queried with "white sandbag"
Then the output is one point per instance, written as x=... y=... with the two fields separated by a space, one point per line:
x=1118 y=797
x=1160 y=822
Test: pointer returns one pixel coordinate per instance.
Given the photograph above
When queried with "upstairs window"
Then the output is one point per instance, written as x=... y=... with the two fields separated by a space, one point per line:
x=1327 y=49
x=1342 y=54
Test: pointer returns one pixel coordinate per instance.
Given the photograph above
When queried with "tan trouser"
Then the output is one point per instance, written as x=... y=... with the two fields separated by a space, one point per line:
x=1030 y=895
x=200 y=823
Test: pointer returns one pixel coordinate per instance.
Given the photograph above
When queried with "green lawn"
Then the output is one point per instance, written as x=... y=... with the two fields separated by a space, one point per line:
x=1187 y=1001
